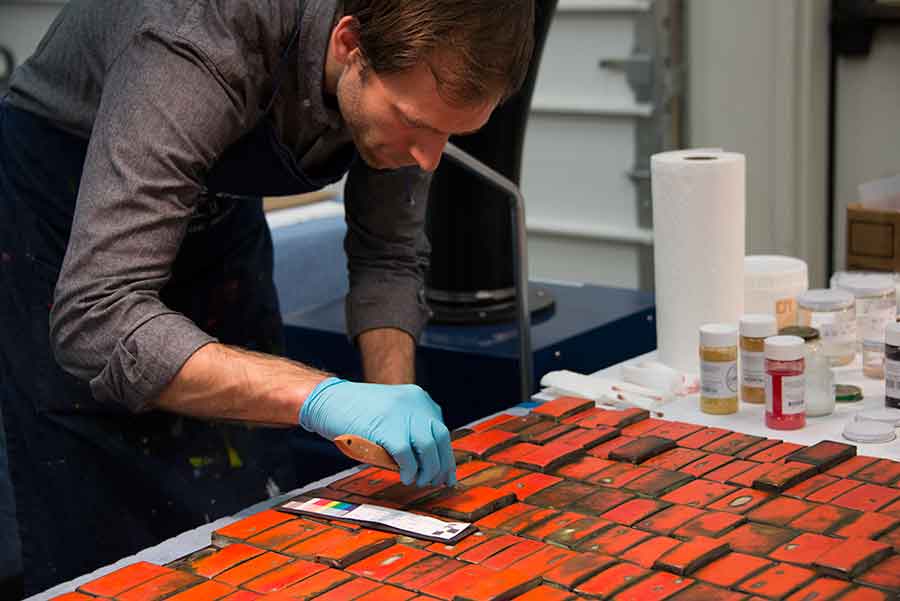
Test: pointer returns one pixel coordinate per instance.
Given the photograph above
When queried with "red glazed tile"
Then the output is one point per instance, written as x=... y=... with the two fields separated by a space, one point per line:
x=502 y=585
x=512 y=454
x=892 y=538
x=283 y=577
x=747 y=477
x=675 y=459
x=421 y=574
x=614 y=541
x=777 y=581
x=759 y=447
x=883 y=471
x=707 y=463
x=312 y=547
x=572 y=572
x=613 y=418
x=698 y=493
x=691 y=555
x=371 y=481
x=740 y=501
x=583 y=468
x=252 y=568
x=776 y=452
x=668 y=520
x=563 y=407
x=401 y=495
x=602 y=451
x=529 y=484
x=655 y=587
x=642 y=427
x=562 y=494
x=893 y=509
x=601 y=501
x=820 y=588
x=647 y=553
x=252 y=525
x=700 y=591
x=823 y=519
x=492 y=422
x=577 y=532
x=618 y=475
x=729 y=470
x=633 y=511
x=611 y=580
x=825 y=454
x=809 y=486
x=545 y=431
x=352 y=589
x=710 y=523
x=496 y=475
x=123 y=579
x=471 y=541
x=868 y=497
x=286 y=534
x=360 y=545
x=703 y=437
x=828 y=493
x=783 y=476
x=545 y=593
x=641 y=449
x=205 y=591
x=732 y=443
x=757 y=539
x=732 y=568
x=520 y=423
x=387 y=562
x=864 y=593
x=585 y=438
x=543 y=560
x=868 y=525
x=242 y=596
x=483 y=443
x=779 y=511
x=386 y=593
x=471 y=504
x=656 y=483
x=497 y=518
x=504 y=559
x=558 y=522
x=447 y=587
x=73 y=596
x=470 y=468
x=548 y=457
x=805 y=549
x=316 y=584
x=675 y=430
x=885 y=575
x=854 y=464
x=489 y=548
x=211 y=561
x=522 y=523
x=159 y=587
x=852 y=557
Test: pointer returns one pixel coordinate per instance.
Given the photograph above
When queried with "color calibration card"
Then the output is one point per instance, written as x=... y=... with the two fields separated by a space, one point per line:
x=382 y=518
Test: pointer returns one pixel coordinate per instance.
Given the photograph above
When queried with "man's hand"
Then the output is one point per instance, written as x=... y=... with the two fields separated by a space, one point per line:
x=402 y=419
x=388 y=356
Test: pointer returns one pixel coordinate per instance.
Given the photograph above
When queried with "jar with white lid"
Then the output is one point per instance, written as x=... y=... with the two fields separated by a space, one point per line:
x=876 y=307
x=833 y=313
x=754 y=329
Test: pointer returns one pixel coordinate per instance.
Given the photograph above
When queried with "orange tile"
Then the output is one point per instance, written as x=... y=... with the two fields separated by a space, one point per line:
x=583 y=468
x=668 y=520
x=804 y=549
x=529 y=484
x=504 y=584
x=703 y=437
x=740 y=501
x=757 y=539
x=315 y=585
x=731 y=569
x=779 y=511
x=362 y=544
x=655 y=587
x=473 y=540
x=698 y=493
x=777 y=581
x=492 y=547
x=283 y=577
x=563 y=407
x=421 y=574
x=692 y=555
x=159 y=587
x=852 y=557
x=387 y=593
x=868 y=525
x=614 y=541
x=820 y=588
x=868 y=497
x=851 y=466
x=471 y=504
x=387 y=562
x=252 y=568
x=219 y=560
x=482 y=443
x=574 y=571
x=885 y=575
x=504 y=559
x=611 y=580
x=123 y=579
x=710 y=523
x=446 y=588
x=545 y=593
x=253 y=525
x=352 y=589
x=648 y=552
x=205 y=591
x=544 y=560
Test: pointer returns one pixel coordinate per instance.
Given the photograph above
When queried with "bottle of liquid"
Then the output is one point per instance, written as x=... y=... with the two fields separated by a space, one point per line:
x=785 y=383
x=718 y=369
x=820 y=391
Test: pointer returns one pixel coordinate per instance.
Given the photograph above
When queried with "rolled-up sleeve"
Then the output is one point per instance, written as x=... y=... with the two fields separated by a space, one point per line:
x=387 y=249
x=164 y=117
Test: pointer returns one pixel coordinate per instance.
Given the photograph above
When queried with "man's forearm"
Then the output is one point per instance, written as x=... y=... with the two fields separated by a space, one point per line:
x=224 y=382
x=388 y=356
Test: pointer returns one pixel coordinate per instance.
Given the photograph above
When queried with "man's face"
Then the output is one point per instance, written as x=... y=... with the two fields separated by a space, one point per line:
x=399 y=119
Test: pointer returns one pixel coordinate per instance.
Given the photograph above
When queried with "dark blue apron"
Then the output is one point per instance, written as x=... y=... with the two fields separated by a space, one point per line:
x=93 y=485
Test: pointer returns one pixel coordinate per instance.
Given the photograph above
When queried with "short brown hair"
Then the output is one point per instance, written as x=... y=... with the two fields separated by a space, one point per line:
x=475 y=48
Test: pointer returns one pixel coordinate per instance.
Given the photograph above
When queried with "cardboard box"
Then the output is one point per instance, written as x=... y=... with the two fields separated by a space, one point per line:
x=873 y=238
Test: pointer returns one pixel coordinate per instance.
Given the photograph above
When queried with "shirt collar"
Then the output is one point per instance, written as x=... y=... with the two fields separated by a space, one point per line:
x=316 y=23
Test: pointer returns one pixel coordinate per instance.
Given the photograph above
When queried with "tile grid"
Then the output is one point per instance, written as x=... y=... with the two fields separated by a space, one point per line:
x=574 y=502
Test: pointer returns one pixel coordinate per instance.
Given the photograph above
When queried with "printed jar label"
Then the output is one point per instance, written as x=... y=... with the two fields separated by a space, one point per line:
x=785 y=394
x=718 y=379
x=892 y=379
x=834 y=331
x=753 y=369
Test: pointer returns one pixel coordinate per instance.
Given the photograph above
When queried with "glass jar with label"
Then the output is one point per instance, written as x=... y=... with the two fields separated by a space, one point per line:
x=820 y=391
x=833 y=313
x=785 y=383
x=876 y=306
x=892 y=366
x=755 y=328
x=718 y=369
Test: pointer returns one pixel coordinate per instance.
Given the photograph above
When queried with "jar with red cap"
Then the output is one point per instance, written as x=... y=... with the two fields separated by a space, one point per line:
x=785 y=383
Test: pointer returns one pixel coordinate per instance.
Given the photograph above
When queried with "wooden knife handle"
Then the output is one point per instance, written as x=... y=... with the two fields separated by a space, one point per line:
x=365 y=451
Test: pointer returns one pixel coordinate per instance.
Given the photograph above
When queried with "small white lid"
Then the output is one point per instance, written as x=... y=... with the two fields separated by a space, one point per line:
x=774 y=271
x=718 y=334
x=858 y=430
x=757 y=325
x=887 y=415
x=892 y=333
x=829 y=299
x=864 y=284
x=784 y=348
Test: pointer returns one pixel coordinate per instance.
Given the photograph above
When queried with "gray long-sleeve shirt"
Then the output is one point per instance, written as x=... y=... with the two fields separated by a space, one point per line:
x=162 y=88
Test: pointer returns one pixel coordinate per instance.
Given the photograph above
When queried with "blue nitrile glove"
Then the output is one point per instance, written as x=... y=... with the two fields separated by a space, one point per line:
x=403 y=419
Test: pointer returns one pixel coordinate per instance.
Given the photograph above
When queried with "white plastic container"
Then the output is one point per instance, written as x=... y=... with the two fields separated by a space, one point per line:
x=833 y=313
x=876 y=307
x=772 y=284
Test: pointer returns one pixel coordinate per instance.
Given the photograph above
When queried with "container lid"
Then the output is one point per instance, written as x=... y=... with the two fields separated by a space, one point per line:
x=892 y=333
x=847 y=393
x=785 y=348
x=864 y=284
x=858 y=430
x=774 y=271
x=807 y=333
x=886 y=415
x=718 y=334
x=826 y=299
x=757 y=325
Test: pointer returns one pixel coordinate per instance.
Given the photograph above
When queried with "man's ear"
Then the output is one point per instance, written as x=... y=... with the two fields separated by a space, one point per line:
x=345 y=40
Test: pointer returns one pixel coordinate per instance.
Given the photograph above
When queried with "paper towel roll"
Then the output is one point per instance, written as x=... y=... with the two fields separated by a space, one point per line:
x=698 y=236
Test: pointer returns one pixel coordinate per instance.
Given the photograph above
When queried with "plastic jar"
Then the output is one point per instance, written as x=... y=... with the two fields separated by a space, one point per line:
x=718 y=369
x=785 y=384
x=876 y=306
x=772 y=284
x=819 y=390
x=833 y=313
x=754 y=331
x=892 y=366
